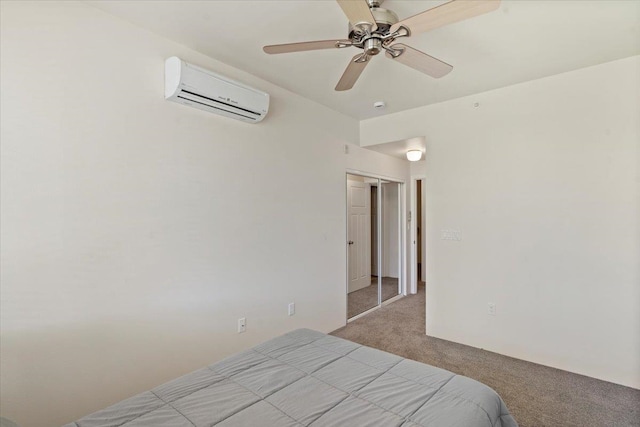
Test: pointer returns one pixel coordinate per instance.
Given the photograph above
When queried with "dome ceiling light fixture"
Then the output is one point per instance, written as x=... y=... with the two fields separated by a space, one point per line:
x=414 y=155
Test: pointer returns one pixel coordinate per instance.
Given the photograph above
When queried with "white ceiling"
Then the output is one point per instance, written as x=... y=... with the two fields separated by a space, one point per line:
x=523 y=40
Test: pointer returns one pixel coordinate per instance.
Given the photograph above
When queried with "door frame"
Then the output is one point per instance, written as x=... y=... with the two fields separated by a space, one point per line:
x=413 y=268
x=402 y=219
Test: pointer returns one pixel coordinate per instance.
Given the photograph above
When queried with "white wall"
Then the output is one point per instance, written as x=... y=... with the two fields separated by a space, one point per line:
x=135 y=232
x=542 y=180
x=371 y=163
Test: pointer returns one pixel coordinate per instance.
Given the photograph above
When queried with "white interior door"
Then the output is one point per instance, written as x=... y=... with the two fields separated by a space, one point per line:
x=359 y=234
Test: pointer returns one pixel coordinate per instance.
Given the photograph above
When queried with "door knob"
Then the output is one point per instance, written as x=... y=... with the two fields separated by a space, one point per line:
x=351 y=242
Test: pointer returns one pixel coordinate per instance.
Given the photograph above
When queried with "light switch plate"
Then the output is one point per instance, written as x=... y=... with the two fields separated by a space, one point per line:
x=491 y=309
x=242 y=325
x=448 y=234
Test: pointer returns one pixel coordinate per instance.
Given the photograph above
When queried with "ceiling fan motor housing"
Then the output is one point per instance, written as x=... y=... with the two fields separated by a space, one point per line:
x=384 y=20
x=373 y=46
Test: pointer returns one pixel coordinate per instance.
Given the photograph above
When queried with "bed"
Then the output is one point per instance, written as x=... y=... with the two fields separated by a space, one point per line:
x=307 y=378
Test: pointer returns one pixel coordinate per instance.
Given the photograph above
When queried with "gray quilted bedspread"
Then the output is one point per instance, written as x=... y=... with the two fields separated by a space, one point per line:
x=307 y=378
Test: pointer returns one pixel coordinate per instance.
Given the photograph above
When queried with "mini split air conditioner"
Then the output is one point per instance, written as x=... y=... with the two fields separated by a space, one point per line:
x=194 y=86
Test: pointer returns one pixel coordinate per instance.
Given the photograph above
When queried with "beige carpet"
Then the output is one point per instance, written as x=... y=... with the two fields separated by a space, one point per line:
x=536 y=395
x=367 y=297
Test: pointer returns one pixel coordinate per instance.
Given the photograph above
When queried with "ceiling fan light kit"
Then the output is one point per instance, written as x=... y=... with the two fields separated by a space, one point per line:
x=374 y=29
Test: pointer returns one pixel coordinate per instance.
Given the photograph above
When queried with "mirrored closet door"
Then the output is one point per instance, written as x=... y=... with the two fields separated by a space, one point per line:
x=390 y=255
x=374 y=242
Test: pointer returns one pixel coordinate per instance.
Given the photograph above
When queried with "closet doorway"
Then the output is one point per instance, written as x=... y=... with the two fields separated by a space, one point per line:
x=374 y=243
x=417 y=237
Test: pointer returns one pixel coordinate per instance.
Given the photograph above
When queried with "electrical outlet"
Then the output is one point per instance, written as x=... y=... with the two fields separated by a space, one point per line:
x=491 y=309
x=292 y=308
x=242 y=325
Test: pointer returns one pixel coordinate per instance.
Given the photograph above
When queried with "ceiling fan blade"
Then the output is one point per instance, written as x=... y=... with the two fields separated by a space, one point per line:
x=447 y=13
x=358 y=11
x=353 y=71
x=420 y=61
x=303 y=46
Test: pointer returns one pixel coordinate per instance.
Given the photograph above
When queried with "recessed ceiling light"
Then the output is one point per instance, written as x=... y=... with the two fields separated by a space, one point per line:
x=379 y=105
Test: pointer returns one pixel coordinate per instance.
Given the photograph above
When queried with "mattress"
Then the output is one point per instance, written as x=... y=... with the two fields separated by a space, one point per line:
x=307 y=378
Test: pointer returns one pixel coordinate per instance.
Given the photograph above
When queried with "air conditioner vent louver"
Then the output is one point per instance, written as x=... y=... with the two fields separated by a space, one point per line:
x=205 y=90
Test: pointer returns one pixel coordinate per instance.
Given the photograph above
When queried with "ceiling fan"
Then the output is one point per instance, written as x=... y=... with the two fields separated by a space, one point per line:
x=374 y=29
